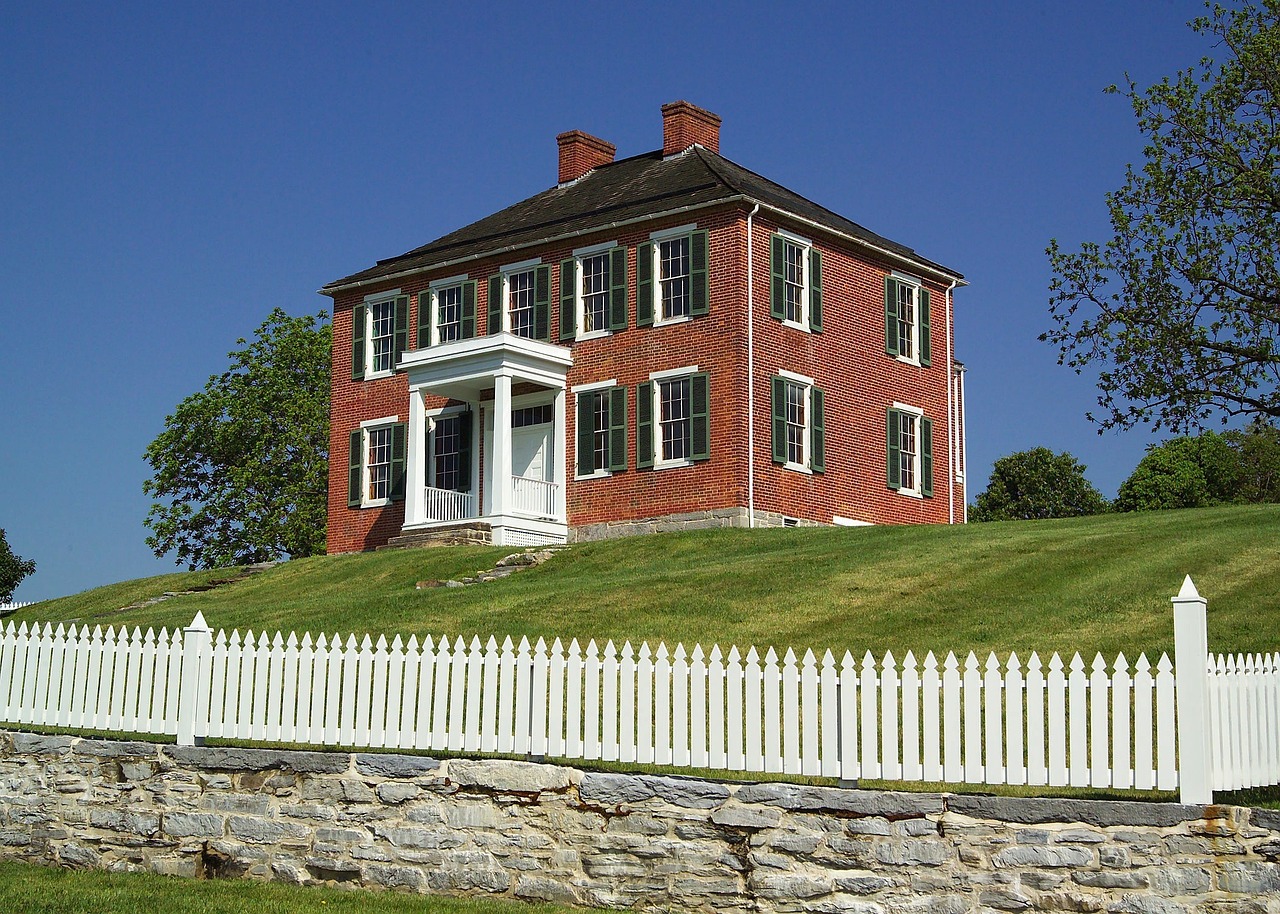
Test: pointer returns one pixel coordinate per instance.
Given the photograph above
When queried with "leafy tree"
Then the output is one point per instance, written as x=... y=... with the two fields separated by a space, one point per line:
x=13 y=568
x=1035 y=484
x=1180 y=309
x=1188 y=472
x=240 y=471
x=1258 y=450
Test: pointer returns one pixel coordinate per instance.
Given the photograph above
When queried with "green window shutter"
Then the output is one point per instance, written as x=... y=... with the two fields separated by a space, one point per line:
x=618 y=288
x=495 y=304
x=398 y=460
x=644 y=284
x=468 y=309
x=542 y=303
x=893 y=432
x=699 y=289
x=617 y=429
x=568 y=299
x=777 y=275
x=778 y=409
x=926 y=457
x=815 y=290
x=644 y=425
x=400 y=320
x=424 y=318
x=891 y=316
x=699 y=416
x=465 y=423
x=355 y=472
x=357 y=342
x=817 y=431
x=922 y=308
x=586 y=432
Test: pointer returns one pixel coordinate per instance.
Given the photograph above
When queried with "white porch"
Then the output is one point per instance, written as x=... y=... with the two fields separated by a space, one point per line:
x=492 y=455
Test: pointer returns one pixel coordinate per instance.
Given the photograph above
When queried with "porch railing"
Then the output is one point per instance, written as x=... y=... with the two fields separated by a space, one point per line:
x=533 y=496
x=446 y=504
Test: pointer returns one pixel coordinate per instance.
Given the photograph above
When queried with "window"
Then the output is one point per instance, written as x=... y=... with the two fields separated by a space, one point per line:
x=906 y=317
x=446 y=312
x=377 y=464
x=910 y=444
x=671 y=277
x=379 y=334
x=672 y=419
x=449 y=460
x=520 y=301
x=799 y=425
x=795 y=295
x=593 y=292
x=601 y=429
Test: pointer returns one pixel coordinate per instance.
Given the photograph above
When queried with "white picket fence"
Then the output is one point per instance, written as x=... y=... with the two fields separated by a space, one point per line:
x=1054 y=723
x=7 y=608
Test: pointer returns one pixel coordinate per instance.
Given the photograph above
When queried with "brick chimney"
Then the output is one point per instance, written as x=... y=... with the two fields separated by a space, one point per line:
x=580 y=152
x=684 y=124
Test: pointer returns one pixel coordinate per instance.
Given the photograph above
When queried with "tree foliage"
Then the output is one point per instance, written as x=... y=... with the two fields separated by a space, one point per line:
x=1179 y=311
x=1239 y=466
x=13 y=568
x=1037 y=484
x=240 y=471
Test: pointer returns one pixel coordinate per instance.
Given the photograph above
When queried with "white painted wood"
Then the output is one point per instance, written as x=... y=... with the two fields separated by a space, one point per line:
x=591 y=687
x=609 y=704
x=475 y=693
x=507 y=697
x=789 y=712
x=952 y=761
x=811 y=761
x=1014 y=722
x=1055 y=686
x=972 y=685
x=646 y=684
x=1121 y=727
x=869 y=721
x=555 y=700
x=697 y=708
x=717 y=715
x=377 y=689
x=735 y=711
x=680 y=707
x=458 y=695
x=1166 y=737
x=931 y=719
x=573 y=719
x=1099 y=716
x=289 y=692
x=829 y=704
x=890 y=735
x=489 y=696
x=538 y=701
x=771 y=694
x=993 y=745
x=850 y=758
x=440 y=694
x=1144 y=769
x=627 y=704
x=524 y=698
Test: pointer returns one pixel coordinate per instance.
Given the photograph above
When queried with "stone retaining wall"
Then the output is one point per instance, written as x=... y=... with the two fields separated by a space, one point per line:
x=674 y=523
x=544 y=832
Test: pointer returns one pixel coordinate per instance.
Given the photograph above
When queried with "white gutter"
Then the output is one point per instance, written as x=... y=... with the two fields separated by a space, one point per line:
x=951 y=421
x=964 y=442
x=751 y=378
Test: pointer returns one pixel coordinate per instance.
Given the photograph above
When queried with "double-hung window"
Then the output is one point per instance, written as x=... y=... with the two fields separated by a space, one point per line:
x=601 y=429
x=799 y=424
x=377 y=464
x=795 y=295
x=673 y=419
x=379 y=334
x=447 y=312
x=671 y=276
x=906 y=319
x=520 y=301
x=909 y=435
x=593 y=292
x=449 y=458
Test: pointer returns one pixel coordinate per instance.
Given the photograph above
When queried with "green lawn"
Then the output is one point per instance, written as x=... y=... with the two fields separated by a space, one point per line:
x=1087 y=584
x=27 y=887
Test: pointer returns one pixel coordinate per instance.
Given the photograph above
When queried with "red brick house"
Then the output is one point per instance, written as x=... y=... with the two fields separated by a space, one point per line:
x=660 y=342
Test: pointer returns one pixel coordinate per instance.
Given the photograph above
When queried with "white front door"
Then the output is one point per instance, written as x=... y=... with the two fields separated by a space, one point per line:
x=529 y=446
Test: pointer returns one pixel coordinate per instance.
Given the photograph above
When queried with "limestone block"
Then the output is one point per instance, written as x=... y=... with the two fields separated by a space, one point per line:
x=396 y=766
x=916 y=852
x=192 y=825
x=509 y=777
x=1027 y=855
x=739 y=816
x=616 y=789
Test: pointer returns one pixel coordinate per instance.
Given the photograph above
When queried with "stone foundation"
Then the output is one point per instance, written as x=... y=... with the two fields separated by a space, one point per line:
x=673 y=523
x=504 y=828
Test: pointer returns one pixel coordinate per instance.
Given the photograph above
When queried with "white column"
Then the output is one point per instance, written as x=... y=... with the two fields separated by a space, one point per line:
x=501 y=462
x=415 y=477
x=561 y=456
x=1191 y=668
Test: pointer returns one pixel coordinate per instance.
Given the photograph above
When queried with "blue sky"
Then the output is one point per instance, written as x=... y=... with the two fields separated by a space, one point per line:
x=170 y=172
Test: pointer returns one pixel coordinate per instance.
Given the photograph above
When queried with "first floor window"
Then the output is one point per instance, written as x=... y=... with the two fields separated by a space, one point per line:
x=446 y=451
x=910 y=445
x=377 y=465
x=906 y=316
x=672 y=420
x=799 y=427
x=602 y=431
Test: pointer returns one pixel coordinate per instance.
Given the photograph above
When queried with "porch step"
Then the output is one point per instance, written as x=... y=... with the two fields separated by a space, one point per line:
x=463 y=533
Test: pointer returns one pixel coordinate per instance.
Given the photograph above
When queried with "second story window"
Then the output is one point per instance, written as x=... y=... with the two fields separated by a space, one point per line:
x=379 y=334
x=595 y=293
x=793 y=282
x=906 y=319
x=449 y=314
x=795 y=294
x=520 y=301
x=673 y=278
x=447 y=311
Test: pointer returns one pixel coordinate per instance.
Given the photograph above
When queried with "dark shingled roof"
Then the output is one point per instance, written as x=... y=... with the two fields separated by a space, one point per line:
x=620 y=191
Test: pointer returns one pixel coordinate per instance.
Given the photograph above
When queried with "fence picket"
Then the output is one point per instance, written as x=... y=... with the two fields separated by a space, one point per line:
x=1121 y=729
x=1014 y=721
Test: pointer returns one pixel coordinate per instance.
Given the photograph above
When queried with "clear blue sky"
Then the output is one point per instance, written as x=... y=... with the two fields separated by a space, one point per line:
x=170 y=172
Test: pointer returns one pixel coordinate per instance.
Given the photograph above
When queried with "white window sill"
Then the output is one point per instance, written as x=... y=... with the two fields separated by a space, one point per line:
x=906 y=361
x=598 y=474
x=593 y=335
x=797 y=468
x=910 y=493
x=375 y=375
x=668 y=321
x=795 y=324
x=376 y=503
x=671 y=464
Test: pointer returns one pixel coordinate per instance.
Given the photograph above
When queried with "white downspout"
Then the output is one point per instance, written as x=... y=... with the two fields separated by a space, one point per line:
x=951 y=419
x=751 y=379
x=964 y=443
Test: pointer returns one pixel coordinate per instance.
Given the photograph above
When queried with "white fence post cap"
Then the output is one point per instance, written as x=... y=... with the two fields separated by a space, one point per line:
x=198 y=623
x=1188 y=591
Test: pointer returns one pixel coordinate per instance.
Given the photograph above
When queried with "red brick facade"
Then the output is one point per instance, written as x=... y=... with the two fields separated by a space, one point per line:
x=847 y=360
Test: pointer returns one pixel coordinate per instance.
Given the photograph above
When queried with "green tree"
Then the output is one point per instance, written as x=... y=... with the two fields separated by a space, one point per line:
x=13 y=568
x=1258 y=451
x=1188 y=472
x=240 y=471
x=1037 y=484
x=1179 y=311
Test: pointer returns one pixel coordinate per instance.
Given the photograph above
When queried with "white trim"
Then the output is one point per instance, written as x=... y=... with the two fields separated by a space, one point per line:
x=593 y=386
x=668 y=321
x=751 y=373
x=520 y=267
x=667 y=234
x=918 y=284
x=672 y=373
x=445 y=411
x=593 y=249
x=806 y=287
x=794 y=238
x=798 y=467
x=792 y=376
x=386 y=420
x=378 y=297
x=850 y=522
x=448 y=281
x=672 y=464
x=904 y=408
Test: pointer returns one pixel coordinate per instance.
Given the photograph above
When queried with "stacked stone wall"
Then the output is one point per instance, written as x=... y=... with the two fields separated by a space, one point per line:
x=643 y=842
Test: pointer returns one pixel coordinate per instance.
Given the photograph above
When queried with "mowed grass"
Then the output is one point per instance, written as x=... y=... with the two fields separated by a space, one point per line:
x=27 y=887
x=1086 y=584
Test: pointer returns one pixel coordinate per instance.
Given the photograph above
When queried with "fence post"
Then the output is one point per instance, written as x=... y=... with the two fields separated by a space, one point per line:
x=1191 y=659
x=196 y=644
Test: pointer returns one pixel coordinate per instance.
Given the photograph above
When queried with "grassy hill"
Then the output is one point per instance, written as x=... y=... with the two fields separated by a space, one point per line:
x=1086 y=584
